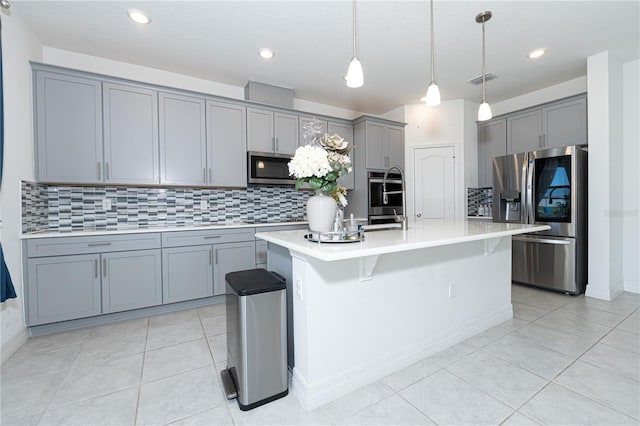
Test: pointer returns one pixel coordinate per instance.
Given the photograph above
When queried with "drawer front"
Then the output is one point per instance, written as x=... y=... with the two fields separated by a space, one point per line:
x=91 y=244
x=194 y=238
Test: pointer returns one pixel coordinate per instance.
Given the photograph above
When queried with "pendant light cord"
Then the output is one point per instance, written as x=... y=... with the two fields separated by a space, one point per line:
x=355 y=49
x=432 y=46
x=484 y=64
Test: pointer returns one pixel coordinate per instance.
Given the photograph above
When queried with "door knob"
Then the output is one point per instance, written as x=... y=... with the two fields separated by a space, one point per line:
x=419 y=215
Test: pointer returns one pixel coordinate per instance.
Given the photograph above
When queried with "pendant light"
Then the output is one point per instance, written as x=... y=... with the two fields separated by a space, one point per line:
x=484 y=112
x=433 y=93
x=354 y=73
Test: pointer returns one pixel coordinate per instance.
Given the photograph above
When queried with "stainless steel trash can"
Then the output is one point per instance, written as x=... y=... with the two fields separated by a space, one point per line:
x=256 y=338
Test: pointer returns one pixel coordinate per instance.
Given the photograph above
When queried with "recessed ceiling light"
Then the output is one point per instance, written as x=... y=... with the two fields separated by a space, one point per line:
x=266 y=53
x=536 y=53
x=138 y=16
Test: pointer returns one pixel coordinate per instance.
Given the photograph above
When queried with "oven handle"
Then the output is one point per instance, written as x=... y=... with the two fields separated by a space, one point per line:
x=377 y=180
x=542 y=241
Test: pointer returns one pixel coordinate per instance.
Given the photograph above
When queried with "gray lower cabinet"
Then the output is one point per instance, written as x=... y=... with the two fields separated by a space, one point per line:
x=130 y=117
x=231 y=257
x=492 y=142
x=131 y=280
x=68 y=128
x=61 y=288
x=187 y=273
x=261 y=254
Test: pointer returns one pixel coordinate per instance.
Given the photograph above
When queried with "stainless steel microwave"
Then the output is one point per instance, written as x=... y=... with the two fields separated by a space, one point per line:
x=267 y=168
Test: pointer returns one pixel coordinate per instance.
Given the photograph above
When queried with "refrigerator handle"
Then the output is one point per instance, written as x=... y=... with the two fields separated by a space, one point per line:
x=524 y=204
x=530 y=188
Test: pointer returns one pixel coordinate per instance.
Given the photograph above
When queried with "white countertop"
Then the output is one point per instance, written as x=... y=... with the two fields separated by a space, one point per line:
x=138 y=230
x=419 y=235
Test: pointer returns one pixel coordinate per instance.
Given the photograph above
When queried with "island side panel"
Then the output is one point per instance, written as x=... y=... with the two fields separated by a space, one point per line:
x=351 y=332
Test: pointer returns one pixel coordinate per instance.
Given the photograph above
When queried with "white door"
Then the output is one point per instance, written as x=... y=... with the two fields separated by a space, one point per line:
x=434 y=183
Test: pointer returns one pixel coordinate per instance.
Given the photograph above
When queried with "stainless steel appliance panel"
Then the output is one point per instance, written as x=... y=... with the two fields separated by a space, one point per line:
x=266 y=168
x=377 y=207
x=546 y=262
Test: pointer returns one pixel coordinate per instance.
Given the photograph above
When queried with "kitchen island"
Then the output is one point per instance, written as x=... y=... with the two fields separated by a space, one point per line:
x=366 y=309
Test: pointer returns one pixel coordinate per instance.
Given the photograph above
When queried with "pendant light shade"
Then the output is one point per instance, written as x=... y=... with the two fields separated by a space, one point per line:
x=355 y=77
x=433 y=93
x=484 y=111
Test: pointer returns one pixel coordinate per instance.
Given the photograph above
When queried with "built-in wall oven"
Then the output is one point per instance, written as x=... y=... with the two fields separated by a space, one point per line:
x=379 y=212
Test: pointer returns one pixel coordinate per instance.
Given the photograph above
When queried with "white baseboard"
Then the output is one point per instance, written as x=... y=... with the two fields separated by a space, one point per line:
x=13 y=345
x=632 y=286
x=314 y=395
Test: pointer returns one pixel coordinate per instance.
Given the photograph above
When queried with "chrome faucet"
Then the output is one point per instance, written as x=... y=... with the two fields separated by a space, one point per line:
x=403 y=220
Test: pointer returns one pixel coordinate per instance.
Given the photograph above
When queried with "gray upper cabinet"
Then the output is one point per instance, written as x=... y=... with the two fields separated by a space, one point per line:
x=395 y=146
x=183 y=140
x=187 y=273
x=131 y=280
x=226 y=144
x=345 y=131
x=492 y=142
x=68 y=127
x=384 y=146
x=231 y=257
x=131 y=149
x=553 y=125
x=269 y=131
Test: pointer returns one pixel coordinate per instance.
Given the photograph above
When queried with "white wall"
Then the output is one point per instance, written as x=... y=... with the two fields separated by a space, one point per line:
x=631 y=179
x=19 y=46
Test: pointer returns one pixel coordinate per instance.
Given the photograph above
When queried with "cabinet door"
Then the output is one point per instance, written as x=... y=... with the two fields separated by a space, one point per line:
x=260 y=130
x=261 y=254
x=303 y=122
x=130 y=135
x=183 y=143
x=286 y=133
x=68 y=129
x=375 y=152
x=524 y=132
x=565 y=123
x=131 y=280
x=61 y=288
x=232 y=257
x=492 y=142
x=187 y=273
x=346 y=132
x=227 y=144
x=394 y=147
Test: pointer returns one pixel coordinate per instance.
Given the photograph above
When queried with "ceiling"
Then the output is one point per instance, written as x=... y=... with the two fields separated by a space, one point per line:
x=219 y=41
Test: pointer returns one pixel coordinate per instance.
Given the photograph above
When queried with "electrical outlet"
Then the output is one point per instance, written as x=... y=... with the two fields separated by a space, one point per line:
x=452 y=290
x=299 y=289
x=106 y=204
x=204 y=205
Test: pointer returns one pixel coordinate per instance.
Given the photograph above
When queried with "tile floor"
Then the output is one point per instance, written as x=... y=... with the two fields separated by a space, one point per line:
x=562 y=360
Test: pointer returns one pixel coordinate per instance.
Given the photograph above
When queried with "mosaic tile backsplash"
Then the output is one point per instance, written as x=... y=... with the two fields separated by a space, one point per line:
x=479 y=200
x=76 y=208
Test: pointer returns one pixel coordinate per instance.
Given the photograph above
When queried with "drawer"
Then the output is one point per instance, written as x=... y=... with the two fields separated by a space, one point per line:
x=61 y=246
x=195 y=238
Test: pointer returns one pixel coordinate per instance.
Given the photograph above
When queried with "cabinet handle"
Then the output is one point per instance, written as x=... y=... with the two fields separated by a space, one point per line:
x=98 y=244
x=106 y=165
x=204 y=175
x=95 y=267
x=539 y=141
x=210 y=178
x=544 y=140
x=104 y=267
x=277 y=143
x=99 y=171
x=215 y=254
x=273 y=144
x=209 y=237
x=210 y=256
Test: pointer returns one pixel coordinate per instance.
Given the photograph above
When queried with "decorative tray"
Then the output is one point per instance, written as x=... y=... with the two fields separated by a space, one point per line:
x=328 y=238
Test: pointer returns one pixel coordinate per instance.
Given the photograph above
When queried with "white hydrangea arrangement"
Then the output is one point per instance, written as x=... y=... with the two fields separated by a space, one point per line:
x=321 y=165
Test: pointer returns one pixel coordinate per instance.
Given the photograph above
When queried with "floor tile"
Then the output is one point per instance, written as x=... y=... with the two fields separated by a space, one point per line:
x=350 y=404
x=526 y=312
x=591 y=314
x=507 y=383
x=172 y=360
x=173 y=318
x=616 y=360
x=24 y=421
x=283 y=411
x=219 y=416
x=177 y=397
x=547 y=300
x=631 y=324
x=172 y=333
x=556 y=340
x=214 y=325
x=218 y=345
x=393 y=410
x=90 y=381
x=615 y=307
x=135 y=326
x=454 y=353
x=556 y=405
x=24 y=364
x=536 y=359
x=104 y=347
x=570 y=323
x=118 y=408
x=623 y=340
x=519 y=419
x=629 y=298
x=446 y=399
x=617 y=392
x=215 y=310
x=411 y=374
x=29 y=396
x=57 y=340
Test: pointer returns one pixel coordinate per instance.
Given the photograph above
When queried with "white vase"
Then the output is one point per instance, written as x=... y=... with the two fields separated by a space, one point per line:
x=321 y=212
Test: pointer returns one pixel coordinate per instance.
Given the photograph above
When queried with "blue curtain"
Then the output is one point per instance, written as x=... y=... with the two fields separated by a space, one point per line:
x=6 y=286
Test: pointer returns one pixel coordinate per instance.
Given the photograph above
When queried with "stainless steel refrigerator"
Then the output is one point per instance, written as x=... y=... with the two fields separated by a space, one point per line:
x=545 y=187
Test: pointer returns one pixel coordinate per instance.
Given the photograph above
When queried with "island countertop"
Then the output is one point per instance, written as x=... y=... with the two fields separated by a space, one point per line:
x=419 y=235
